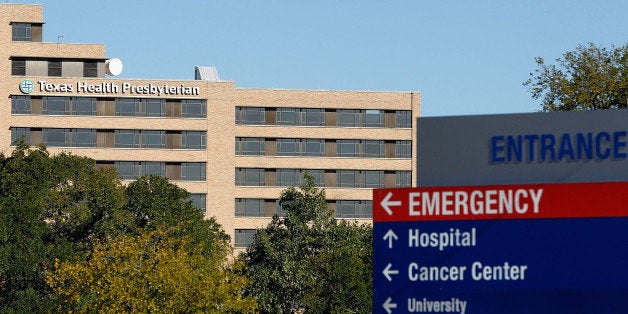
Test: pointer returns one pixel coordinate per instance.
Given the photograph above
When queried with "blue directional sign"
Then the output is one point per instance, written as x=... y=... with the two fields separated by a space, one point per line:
x=476 y=250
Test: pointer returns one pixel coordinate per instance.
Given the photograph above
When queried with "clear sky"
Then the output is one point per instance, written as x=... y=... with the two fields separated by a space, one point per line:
x=465 y=57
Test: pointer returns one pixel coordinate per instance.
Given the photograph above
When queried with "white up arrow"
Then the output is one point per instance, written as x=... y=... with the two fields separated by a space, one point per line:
x=386 y=202
x=390 y=236
x=388 y=305
x=387 y=272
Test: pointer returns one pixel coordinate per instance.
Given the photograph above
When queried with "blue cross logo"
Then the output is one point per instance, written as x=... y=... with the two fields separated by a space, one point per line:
x=27 y=86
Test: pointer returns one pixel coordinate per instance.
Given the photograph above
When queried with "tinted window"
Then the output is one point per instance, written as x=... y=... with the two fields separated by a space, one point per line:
x=148 y=168
x=193 y=171
x=373 y=179
x=199 y=201
x=55 y=105
x=403 y=179
x=250 y=146
x=347 y=118
x=372 y=118
x=313 y=147
x=403 y=149
x=354 y=209
x=83 y=106
x=69 y=137
x=288 y=147
x=20 y=133
x=83 y=138
x=55 y=137
x=348 y=148
x=90 y=68
x=127 y=106
x=250 y=177
x=360 y=148
x=360 y=118
x=153 y=139
x=347 y=178
x=373 y=149
x=244 y=237
x=312 y=117
x=21 y=32
x=300 y=147
x=294 y=177
x=20 y=104
x=360 y=178
x=403 y=119
x=128 y=170
x=300 y=116
x=249 y=207
x=250 y=116
x=193 y=108
x=287 y=116
x=18 y=66
x=154 y=107
x=193 y=140
x=127 y=139
x=54 y=68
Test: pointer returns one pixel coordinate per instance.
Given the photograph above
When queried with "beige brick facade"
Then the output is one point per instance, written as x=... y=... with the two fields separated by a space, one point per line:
x=222 y=99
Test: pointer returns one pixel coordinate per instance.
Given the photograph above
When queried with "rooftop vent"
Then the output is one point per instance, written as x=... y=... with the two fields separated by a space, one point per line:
x=206 y=74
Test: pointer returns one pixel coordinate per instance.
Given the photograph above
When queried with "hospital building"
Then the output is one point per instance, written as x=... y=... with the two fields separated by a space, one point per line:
x=234 y=149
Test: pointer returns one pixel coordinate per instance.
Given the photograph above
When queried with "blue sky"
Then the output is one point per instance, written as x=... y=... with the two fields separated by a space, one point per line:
x=465 y=57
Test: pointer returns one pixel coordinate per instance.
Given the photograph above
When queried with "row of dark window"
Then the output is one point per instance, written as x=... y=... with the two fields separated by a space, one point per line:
x=257 y=146
x=123 y=107
x=61 y=137
x=323 y=178
x=259 y=207
x=178 y=171
x=22 y=66
x=323 y=117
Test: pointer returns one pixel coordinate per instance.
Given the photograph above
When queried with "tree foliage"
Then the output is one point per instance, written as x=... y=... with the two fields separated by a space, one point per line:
x=154 y=272
x=50 y=207
x=308 y=261
x=59 y=208
x=588 y=78
x=154 y=202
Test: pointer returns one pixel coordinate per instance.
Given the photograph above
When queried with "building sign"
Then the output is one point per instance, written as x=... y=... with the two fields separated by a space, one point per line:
x=583 y=146
x=113 y=88
x=540 y=248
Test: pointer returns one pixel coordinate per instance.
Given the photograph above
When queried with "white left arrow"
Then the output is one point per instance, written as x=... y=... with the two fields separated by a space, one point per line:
x=388 y=305
x=387 y=272
x=386 y=203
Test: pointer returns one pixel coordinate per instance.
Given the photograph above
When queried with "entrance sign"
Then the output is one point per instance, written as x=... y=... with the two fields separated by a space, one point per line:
x=550 y=147
x=535 y=248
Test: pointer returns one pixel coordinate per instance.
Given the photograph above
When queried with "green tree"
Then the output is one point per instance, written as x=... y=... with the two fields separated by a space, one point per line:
x=154 y=202
x=85 y=203
x=308 y=261
x=171 y=235
x=588 y=78
x=50 y=207
x=55 y=208
x=157 y=271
